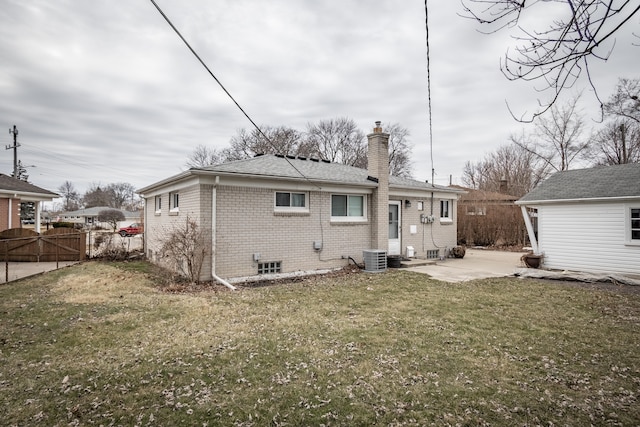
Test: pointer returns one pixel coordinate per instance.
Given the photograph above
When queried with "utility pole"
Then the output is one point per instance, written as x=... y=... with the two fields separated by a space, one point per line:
x=15 y=146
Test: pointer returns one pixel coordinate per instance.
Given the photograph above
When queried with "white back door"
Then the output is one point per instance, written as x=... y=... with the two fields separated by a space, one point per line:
x=394 y=228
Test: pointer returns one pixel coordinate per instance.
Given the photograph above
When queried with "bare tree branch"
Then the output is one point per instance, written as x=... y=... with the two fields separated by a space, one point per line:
x=559 y=53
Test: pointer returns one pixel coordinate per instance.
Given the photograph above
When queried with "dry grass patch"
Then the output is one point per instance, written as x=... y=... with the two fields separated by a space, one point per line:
x=101 y=344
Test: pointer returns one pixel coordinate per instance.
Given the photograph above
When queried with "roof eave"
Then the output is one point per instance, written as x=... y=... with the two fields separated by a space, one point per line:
x=30 y=196
x=211 y=173
x=591 y=199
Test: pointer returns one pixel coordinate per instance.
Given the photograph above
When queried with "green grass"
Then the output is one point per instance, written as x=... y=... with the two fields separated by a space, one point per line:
x=100 y=344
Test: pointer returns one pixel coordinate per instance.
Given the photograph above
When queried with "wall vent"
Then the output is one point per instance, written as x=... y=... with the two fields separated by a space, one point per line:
x=433 y=254
x=375 y=261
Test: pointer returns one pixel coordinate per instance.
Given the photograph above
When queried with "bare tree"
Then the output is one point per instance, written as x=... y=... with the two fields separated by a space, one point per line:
x=96 y=195
x=70 y=196
x=560 y=51
x=122 y=194
x=338 y=140
x=509 y=165
x=625 y=102
x=269 y=140
x=203 y=156
x=617 y=143
x=119 y=195
x=111 y=217
x=187 y=245
x=399 y=151
x=557 y=140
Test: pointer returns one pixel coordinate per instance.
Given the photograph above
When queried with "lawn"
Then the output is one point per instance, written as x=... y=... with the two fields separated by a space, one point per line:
x=105 y=344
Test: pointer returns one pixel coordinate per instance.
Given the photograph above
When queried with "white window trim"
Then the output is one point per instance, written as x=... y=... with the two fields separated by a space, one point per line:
x=158 y=209
x=627 y=225
x=304 y=208
x=449 y=218
x=347 y=218
x=174 y=209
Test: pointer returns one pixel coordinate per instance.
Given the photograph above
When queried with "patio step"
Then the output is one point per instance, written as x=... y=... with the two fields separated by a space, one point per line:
x=416 y=262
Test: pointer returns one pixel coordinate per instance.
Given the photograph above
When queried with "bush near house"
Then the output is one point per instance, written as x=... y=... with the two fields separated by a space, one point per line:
x=61 y=224
x=499 y=225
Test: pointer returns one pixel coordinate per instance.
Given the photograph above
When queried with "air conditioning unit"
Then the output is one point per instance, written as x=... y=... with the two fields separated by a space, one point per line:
x=375 y=261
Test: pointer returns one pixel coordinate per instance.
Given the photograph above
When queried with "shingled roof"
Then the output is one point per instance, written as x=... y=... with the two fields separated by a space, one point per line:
x=10 y=185
x=603 y=182
x=302 y=168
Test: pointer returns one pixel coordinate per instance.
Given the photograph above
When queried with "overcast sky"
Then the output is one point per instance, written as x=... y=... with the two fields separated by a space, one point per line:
x=104 y=91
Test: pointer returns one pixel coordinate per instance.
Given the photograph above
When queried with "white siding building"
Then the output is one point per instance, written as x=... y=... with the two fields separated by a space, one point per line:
x=588 y=220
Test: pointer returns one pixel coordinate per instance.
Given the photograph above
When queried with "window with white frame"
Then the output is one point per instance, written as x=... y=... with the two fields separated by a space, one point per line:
x=476 y=210
x=158 y=204
x=289 y=201
x=633 y=224
x=174 y=202
x=445 y=211
x=348 y=207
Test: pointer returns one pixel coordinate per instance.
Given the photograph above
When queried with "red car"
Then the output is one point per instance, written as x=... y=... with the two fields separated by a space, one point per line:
x=131 y=230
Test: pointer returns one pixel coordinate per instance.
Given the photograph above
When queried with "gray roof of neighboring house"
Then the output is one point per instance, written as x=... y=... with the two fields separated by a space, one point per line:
x=603 y=182
x=95 y=211
x=13 y=185
x=300 y=168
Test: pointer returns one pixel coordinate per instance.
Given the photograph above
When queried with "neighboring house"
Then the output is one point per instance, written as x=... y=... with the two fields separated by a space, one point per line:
x=487 y=218
x=15 y=191
x=88 y=217
x=276 y=214
x=588 y=219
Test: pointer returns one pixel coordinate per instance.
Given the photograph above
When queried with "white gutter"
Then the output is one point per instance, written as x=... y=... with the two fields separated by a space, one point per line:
x=588 y=199
x=532 y=235
x=213 y=238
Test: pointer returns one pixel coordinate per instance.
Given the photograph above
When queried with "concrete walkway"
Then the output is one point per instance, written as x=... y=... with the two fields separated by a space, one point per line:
x=476 y=264
x=19 y=270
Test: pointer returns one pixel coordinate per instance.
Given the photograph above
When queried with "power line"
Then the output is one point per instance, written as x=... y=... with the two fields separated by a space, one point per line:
x=166 y=18
x=426 y=24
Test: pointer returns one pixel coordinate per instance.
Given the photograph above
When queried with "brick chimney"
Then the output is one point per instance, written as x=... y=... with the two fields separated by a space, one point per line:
x=378 y=167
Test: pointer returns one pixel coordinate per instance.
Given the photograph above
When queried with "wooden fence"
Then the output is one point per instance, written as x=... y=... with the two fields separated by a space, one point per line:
x=56 y=244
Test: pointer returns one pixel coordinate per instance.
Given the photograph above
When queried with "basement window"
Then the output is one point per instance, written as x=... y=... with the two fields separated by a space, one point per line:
x=269 y=267
x=433 y=253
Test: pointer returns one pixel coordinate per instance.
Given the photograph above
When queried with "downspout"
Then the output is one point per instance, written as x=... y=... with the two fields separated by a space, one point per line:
x=145 y=223
x=213 y=237
x=10 y=219
x=38 y=206
x=530 y=232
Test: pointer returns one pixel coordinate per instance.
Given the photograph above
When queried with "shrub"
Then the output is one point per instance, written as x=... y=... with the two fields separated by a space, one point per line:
x=111 y=217
x=187 y=246
x=61 y=224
